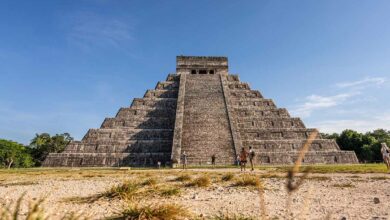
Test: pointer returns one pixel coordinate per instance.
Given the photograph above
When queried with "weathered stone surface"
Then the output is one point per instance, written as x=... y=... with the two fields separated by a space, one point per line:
x=203 y=110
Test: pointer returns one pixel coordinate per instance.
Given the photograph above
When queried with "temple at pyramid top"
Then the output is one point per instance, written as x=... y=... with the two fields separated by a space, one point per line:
x=202 y=111
x=201 y=65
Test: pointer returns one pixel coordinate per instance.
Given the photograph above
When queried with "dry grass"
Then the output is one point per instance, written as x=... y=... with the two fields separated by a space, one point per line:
x=35 y=212
x=319 y=178
x=227 y=177
x=150 y=182
x=163 y=211
x=170 y=191
x=183 y=178
x=247 y=180
x=202 y=181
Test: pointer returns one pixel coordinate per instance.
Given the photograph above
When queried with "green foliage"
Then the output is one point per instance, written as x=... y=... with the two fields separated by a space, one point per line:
x=43 y=144
x=366 y=145
x=13 y=154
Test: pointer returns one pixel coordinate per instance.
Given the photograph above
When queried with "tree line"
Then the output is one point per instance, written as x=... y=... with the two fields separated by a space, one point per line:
x=367 y=145
x=12 y=154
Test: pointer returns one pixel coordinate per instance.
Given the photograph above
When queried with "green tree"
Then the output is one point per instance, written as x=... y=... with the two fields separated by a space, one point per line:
x=13 y=154
x=43 y=144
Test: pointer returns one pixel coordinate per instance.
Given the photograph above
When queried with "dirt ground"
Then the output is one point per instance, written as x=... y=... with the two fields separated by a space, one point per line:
x=321 y=196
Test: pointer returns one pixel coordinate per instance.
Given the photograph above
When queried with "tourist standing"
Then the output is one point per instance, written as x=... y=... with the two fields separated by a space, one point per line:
x=213 y=160
x=184 y=160
x=251 y=157
x=243 y=159
x=386 y=155
x=238 y=160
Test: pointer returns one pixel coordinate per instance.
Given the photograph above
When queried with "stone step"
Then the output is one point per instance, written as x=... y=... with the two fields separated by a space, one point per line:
x=161 y=93
x=243 y=94
x=140 y=122
x=256 y=112
x=274 y=122
x=235 y=85
x=128 y=134
x=145 y=112
x=155 y=102
x=254 y=102
x=276 y=133
x=139 y=146
x=290 y=145
x=310 y=157
x=105 y=159
x=167 y=85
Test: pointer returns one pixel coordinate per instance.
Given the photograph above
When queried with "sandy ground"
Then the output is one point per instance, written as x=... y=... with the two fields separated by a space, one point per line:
x=321 y=196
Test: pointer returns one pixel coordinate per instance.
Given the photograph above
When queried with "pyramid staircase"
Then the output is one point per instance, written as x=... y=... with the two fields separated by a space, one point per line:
x=201 y=110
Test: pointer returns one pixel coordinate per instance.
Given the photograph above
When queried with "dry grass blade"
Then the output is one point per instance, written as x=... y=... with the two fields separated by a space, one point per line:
x=227 y=177
x=165 y=211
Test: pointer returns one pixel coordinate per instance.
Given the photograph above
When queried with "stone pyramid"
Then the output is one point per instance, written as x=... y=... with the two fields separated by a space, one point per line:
x=202 y=110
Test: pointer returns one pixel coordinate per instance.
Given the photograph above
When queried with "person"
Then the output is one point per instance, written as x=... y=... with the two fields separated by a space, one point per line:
x=158 y=164
x=251 y=157
x=238 y=160
x=386 y=155
x=184 y=160
x=243 y=158
x=213 y=160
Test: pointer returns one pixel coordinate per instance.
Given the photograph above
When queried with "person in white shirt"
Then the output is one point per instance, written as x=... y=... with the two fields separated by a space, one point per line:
x=251 y=157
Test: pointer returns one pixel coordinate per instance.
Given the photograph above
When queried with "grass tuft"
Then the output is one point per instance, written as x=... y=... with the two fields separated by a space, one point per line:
x=203 y=181
x=164 y=211
x=183 y=178
x=227 y=177
x=150 y=182
x=247 y=180
x=168 y=192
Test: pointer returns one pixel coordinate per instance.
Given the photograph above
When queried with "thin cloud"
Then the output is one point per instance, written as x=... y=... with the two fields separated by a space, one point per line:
x=363 y=83
x=90 y=31
x=316 y=102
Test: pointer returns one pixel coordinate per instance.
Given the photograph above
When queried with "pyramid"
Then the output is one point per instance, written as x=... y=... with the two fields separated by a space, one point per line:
x=202 y=110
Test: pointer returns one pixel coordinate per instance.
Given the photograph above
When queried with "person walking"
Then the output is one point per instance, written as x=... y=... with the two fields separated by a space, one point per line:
x=184 y=160
x=251 y=157
x=243 y=159
x=386 y=155
x=213 y=157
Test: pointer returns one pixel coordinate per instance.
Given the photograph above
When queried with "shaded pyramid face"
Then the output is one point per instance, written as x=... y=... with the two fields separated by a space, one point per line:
x=201 y=110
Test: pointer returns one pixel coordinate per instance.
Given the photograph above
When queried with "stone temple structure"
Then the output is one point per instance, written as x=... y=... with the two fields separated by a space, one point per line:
x=202 y=110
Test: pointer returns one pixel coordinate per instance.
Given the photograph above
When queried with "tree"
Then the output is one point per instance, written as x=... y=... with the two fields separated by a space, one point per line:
x=13 y=154
x=43 y=144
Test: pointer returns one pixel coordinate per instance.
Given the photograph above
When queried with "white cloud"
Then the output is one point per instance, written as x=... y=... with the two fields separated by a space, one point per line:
x=316 y=102
x=368 y=81
x=360 y=124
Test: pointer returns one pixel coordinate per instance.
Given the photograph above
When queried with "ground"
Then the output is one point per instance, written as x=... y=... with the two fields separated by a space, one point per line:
x=328 y=192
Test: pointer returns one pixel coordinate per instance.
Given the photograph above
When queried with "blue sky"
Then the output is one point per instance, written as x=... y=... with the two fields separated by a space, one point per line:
x=66 y=65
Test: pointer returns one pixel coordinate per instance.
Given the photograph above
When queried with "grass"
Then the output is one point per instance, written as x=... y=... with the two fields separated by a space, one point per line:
x=319 y=178
x=171 y=191
x=227 y=177
x=35 y=212
x=202 y=181
x=338 y=168
x=183 y=178
x=150 y=182
x=163 y=211
x=246 y=180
